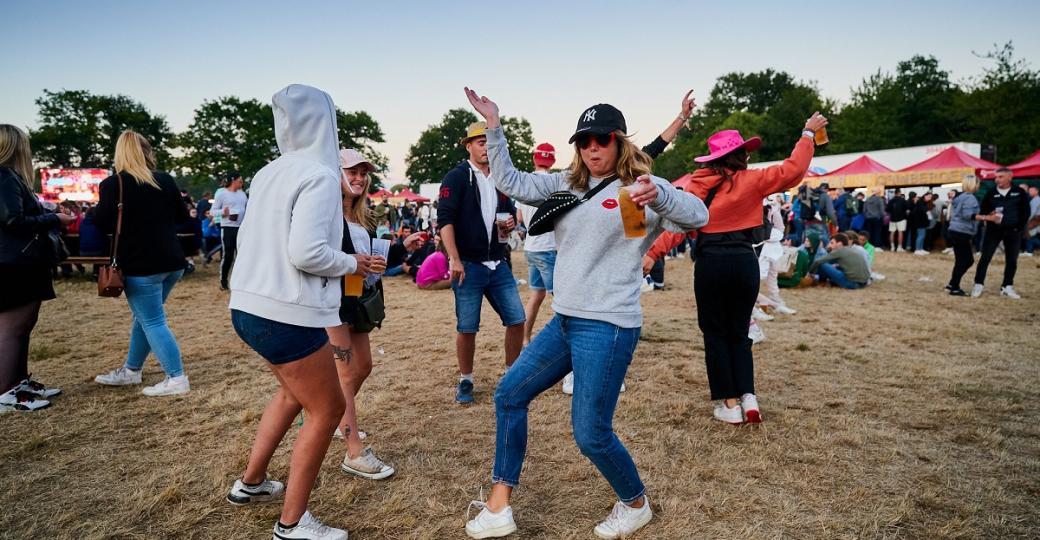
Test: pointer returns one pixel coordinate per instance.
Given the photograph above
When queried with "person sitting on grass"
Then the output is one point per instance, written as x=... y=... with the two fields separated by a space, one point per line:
x=843 y=266
x=434 y=273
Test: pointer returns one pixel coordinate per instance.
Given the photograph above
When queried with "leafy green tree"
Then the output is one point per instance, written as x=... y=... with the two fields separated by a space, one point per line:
x=438 y=150
x=80 y=129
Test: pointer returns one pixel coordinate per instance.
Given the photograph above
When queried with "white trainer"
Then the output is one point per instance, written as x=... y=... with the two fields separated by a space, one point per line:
x=489 y=524
x=728 y=415
x=309 y=528
x=624 y=520
x=17 y=399
x=268 y=490
x=170 y=386
x=759 y=315
x=367 y=465
x=749 y=404
x=122 y=376
x=568 y=384
x=783 y=309
x=976 y=291
x=1009 y=292
x=921 y=253
x=755 y=333
x=37 y=388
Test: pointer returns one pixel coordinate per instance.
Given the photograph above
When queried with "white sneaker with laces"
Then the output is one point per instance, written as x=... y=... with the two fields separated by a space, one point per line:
x=367 y=465
x=17 y=399
x=37 y=389
x=489 y=524
x=122 y=376
x=309 y=528
x=759 y=315
x=782 y=308
x=921 y=252
x=947 y=251
x=242 y=494
x=976 y=291
x=624 y=520
x=568 y=384
x=1009 y=292
x=749 y=404
x=728 y=415
x=170 y=386
x=1027 y=254
x=756 y=334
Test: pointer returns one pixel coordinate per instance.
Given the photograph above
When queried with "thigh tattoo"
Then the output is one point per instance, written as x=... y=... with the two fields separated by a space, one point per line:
x=343 y=354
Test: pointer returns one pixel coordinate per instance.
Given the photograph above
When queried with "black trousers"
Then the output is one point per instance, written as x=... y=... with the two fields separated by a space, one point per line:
x=726 y=287
x=962 y=256
x=229 y=246
x=994 y=236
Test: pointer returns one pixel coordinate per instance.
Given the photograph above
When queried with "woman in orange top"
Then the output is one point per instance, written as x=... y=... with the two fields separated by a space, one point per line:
x=725 y=277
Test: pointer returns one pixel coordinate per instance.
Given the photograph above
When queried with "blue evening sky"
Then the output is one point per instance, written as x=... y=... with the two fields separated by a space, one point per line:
x=405 y=62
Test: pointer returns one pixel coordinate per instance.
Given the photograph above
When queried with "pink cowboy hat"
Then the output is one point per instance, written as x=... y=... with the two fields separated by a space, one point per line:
x=725 y=142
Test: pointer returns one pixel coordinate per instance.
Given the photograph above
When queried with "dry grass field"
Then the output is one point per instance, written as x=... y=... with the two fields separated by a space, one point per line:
x=891 y=412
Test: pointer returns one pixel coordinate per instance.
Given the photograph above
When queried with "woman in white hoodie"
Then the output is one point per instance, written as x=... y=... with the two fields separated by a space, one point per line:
x=285 y=293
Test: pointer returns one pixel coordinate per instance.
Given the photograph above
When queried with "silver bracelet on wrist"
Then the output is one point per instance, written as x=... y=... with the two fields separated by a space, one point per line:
x=809 y=133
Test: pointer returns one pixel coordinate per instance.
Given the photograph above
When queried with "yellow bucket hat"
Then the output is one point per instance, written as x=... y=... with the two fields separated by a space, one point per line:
x=476 y=129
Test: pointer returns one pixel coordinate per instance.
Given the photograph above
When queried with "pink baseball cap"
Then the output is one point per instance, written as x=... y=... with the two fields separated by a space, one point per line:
x=350 y=158
x=544 y=155
x=725 y=142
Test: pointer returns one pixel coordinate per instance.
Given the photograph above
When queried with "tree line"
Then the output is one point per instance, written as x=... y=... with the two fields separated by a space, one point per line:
x=916 y=104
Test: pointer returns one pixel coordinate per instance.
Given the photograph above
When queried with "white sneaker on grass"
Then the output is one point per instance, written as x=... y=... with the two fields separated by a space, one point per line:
x=782 y=308
x=749 y=405
x=755 y=333
x=976 y=291
x=367 y=465
x=121 y=376
x=624 y=520
x=37 y=389
x=921 y=252
x=759 y=315
x=309 y=528
x=728 y=415
x=242 y=493
x=568 y=384
x=1009 y=292
x=170 y=386
x=17 y=399
x=489 y=524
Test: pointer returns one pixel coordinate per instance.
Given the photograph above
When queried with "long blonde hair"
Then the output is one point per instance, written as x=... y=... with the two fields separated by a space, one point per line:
x=631 y=164
x=134 y=155
x=15 y=153
x=359 y=208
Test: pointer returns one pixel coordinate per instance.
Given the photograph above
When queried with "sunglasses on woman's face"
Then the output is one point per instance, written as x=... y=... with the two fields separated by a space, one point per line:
x=602 y=139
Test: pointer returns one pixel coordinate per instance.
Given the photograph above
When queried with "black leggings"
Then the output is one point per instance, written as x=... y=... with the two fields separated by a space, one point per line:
x=15 y=326
x=726 y=287
x=963 y=259
x=229 y=241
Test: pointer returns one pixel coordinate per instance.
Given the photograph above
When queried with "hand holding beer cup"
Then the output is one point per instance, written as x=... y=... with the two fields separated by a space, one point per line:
x=369 y=264
x=643 y=191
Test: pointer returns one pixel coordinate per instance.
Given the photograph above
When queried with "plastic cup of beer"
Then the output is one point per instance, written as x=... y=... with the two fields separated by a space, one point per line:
x=352 y=284
x=632 y=216
x=500 y=219
x=820 y=138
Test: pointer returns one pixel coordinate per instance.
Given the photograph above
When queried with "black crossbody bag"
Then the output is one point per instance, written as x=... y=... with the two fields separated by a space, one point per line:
x=371 y=310
x=558 y=204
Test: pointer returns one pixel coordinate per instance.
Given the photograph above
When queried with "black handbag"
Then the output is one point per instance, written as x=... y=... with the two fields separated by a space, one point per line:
x=371 y=310
x=558 y=204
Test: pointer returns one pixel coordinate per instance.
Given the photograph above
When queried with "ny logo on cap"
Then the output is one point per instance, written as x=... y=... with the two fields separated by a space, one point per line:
x=590 y=115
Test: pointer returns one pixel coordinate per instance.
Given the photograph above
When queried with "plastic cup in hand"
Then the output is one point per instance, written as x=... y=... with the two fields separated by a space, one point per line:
x=352 y=285
x=381 y=247
x=999 y=214
x=500 y=219
x=820 y=138
x=632 y=216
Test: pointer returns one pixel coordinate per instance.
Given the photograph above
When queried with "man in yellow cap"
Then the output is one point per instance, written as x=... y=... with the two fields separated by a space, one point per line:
x=473 y=217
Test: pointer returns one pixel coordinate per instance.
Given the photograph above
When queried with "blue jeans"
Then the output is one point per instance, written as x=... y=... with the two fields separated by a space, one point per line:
x=394 y=271
x=829 y=272
x=540 y=267
x=149 y=331
x=599 y=354
x=919 y=240
x=497 y=285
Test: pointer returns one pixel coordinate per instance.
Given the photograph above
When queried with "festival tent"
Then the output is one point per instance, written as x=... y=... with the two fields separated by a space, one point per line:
x=951 y=158
x=411 y=196
x=861 y=165
x=383 y=192
x=1029 y=166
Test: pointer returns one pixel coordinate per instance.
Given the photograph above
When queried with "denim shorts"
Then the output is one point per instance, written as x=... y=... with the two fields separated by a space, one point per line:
x=497 y=285
x=277 y=342
x=540 y=265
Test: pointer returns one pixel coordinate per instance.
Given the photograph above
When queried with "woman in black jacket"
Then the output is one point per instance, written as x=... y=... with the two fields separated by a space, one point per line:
x=149 y=255
x=26 y=259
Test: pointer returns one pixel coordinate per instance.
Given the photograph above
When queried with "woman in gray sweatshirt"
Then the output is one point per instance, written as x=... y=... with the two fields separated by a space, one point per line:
x=596 y=300
x=964 y=218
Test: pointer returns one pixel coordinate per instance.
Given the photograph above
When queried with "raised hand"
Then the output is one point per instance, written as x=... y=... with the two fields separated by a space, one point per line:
x=815 y=122
x=484 y=106
x=688 y=103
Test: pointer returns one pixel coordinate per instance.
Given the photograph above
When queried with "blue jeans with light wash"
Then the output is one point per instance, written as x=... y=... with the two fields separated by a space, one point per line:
x=831 y=273
x=599 y=354
x=149 y=331
x=919 y=240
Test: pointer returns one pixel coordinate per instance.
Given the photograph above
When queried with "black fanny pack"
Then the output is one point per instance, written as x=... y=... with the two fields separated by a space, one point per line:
x=558 y=204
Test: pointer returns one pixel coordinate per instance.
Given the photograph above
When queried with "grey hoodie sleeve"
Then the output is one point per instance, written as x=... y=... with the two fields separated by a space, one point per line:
x=317 y=204
x=680 y=211
x=528 y=188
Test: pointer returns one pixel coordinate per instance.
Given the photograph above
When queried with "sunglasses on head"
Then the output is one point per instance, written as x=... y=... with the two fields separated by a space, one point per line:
x=602 y=139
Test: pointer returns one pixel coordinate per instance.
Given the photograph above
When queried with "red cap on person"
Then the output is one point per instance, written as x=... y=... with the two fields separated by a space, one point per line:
x=544 y=155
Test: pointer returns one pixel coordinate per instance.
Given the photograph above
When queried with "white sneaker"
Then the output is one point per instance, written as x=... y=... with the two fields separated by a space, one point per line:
x=947 y=251
x=17 y=399
x=1009 y=292
x=367 y=465
x=309 y=528
x=875 y=276
x=624 y=520
x=976 y=291
x=488 y=524
x=568 y=384
x=646 y=286
x=756 y=334
x=170 y=386
x=921 y=252
x=1027 y=254
x=749 y=404
x=242 y=494
x=122 y=376
x=783 y=309
x=728 y=415
x=760 y=315
x=37 y=389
